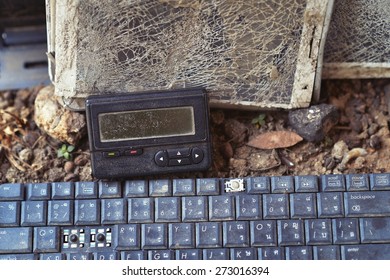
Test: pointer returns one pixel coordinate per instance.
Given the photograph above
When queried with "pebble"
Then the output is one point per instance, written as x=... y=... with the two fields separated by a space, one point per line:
x=69 y=166
x=315 y=122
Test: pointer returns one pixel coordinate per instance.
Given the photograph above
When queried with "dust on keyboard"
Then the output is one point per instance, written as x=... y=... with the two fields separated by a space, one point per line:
x=282 y=217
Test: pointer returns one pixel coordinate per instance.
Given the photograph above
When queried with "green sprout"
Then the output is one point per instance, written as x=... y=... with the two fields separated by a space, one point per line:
x=259 y=121
x=65 y=151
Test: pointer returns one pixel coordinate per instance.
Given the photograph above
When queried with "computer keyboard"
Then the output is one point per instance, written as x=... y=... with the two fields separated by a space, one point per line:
x=281 y=217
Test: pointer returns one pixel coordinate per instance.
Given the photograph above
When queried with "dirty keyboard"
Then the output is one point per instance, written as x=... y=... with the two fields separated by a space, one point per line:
x=284 y=217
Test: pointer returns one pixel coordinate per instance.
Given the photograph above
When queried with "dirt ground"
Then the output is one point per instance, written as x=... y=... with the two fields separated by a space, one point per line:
x=358 y=143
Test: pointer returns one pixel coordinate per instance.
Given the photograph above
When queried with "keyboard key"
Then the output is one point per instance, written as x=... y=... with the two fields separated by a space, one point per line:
x=318 y=231
x=248 y=207
x=128 y=236
x=373 y=230
x=332 y=183
x=60 y=212
x=221 y=208
x=357 y=182
x=134 y=255
x=87 y=212
x=275 y=206
x=161 y=187
x=216 y=254
x=183 y=187
x=209 y=186
x=136 y=188
x=103 y=256
x=290 y=232
x=303 y=205
x=345 y=231
x=366 y=252
x=188 y=254
x=16 y=240
x=330 y=204
x=79 y=256
x=11 y=192
x=154 y=236
x=365 y=204
x=38 y=191
x=181 y=235
x=161 y=255
x=140 y=210
x=33 y=213
x=330 y=252
x=208 y=235
x=194 y=208
x=282 y=184
x=46 y=240
x=52 y=256
x=299 y=253
x=62 y=190
x=271 y=253
x=236 y=234
x=258 y=185
x=18 y=257
x=167 y=209
x=110 y=189
x=9 y=213
x=243 y=254
x=263 y=233
x=307 y=183
x=86 y=190
x=113 y=211
x=380 y=181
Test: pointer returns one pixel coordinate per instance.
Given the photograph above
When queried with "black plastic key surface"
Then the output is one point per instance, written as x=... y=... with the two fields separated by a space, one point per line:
x=299 y=253
x=154 y=236
x=38 y=191
x=258 y=185
x=134 y=255
x=18 y=257
x=128 y=236
x=263 y=233
x=221 y=208
x=282 y=184
x=208 y=186
x=375 y=230
x=60 y=212
x=243 y=254
x=275 y=206
x=248 y=207
x=380 y=181
x=345 y=231
x=62 y=190
x=236 y=234
x=167 y=209
x=330 y=204
x=194 y=208
x=271 y=253
x=86 y=190
x=188 y=254
x=111 y=189
x=181 y=235
x=33 y=213
x=46 y=240
x=216 y=254
x=136 y=188
x=16 y=240
x=140 y=210
x=366 y=252
x=52 y=256
x=303 y=205
x=11 y=192
x=9 y=213
x=357 y=182
x=161 y=255
x=328 y=252
x=183 y=187
x=366 y=204
x=318 y=231
x=160 y=187
x=208 y=235
x=306 y=183
x=290 y=232
x=113 y=211
x=87 y=212
x=332 y=183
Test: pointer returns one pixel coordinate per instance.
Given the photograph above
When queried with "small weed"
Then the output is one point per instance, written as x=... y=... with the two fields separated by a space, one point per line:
x=65 y=151
x=259 y=121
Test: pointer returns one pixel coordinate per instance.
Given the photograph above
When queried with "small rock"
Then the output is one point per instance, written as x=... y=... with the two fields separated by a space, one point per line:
x=68 y=166
x=26 y=155
x=81 y=160
x=313 y=123
x=55 y=120
x=339 y=150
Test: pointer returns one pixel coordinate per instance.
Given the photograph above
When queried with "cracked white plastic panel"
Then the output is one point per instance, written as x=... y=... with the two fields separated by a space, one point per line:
x=358 y=42
x=247 y=53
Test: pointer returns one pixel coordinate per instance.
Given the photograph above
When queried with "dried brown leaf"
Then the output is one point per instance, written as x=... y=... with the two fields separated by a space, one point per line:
x=275 y=139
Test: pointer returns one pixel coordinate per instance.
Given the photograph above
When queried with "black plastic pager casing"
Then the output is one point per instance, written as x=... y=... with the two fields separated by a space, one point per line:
x=148 y=133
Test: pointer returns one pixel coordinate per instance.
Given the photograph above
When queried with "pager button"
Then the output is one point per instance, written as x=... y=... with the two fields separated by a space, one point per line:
x=197 y=155
x=161 y=158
